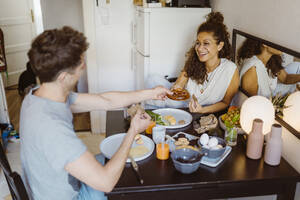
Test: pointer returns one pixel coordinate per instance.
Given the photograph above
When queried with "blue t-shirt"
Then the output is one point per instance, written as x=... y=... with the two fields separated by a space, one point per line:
x=48 y=143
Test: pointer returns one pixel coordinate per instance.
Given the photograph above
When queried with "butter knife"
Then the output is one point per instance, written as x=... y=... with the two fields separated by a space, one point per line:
x=136 y=169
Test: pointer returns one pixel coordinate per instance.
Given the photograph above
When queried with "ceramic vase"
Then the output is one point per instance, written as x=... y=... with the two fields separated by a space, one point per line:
x=255 y=140
x=274 y=146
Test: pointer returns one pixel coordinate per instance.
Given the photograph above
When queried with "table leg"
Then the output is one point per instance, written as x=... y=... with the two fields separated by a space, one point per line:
x=288 y=192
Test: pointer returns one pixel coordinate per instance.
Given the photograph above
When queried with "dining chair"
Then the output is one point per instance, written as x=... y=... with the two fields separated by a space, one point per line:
x=13 y=179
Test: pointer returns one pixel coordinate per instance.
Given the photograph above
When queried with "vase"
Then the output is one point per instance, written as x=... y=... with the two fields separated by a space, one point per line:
x=274 y=146
x=255 y=140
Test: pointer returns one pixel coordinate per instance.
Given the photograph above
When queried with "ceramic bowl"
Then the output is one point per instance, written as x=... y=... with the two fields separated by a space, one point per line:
x=214 y=153
x=186 y=160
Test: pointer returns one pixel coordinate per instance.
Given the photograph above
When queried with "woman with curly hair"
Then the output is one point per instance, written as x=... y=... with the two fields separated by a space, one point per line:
x=208 y=74
x=262 y=69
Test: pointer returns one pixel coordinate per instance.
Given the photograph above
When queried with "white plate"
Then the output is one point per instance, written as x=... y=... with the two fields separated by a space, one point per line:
x=111 y=144
x=239 y=130
x=177 y=114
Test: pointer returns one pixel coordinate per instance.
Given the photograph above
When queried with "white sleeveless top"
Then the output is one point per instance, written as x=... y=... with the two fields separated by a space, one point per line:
x=214 y=88
x=265 y=81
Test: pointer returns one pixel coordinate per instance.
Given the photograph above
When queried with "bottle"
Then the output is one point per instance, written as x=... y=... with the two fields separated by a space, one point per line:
x=145 y=4
x=255 y=140
x=168 y=3
x=274 y=146
x=163 y=3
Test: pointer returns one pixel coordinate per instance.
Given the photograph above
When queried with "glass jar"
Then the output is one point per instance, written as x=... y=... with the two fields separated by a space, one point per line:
x=231 y=136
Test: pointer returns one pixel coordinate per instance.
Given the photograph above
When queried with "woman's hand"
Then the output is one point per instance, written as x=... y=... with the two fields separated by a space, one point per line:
x=160 y=92
x=176 y=86
x=194 y=106
x=139 y=122
x=181 y=81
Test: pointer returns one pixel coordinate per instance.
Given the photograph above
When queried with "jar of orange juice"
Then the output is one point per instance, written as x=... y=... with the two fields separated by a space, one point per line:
x=162 y=151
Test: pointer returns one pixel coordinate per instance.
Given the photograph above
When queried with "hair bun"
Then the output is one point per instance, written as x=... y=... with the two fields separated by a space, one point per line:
x=215 y=17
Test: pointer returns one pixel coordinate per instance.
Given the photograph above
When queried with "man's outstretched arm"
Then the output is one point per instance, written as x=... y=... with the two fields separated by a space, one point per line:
x=113 y=100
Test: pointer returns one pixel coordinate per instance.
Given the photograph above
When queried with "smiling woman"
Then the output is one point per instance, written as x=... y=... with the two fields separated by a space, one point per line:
x=208 y=75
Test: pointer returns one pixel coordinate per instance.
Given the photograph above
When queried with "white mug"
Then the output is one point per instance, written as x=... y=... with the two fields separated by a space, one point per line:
x=158 y=134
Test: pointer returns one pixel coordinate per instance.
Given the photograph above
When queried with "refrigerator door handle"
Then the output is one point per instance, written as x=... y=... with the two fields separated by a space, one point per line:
x=133 y=59
x=133 y=32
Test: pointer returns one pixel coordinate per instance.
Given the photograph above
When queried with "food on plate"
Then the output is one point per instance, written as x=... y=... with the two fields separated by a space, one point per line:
x=138 y=151
x=179 y=94
x=206 y=123
x=204 y=139
x=170 y=119
x=181 y=122
x=187 y=146
x=149 y=128
x=138 y=139
x=232 y=117
x=211 y=143
x=182 y=141
x=158 y=119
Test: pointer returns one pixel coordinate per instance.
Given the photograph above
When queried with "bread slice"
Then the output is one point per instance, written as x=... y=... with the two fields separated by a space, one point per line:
x=170 y=119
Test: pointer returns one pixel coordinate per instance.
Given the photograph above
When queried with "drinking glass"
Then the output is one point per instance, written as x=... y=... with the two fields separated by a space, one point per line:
x=158 y=134
x=231 y=136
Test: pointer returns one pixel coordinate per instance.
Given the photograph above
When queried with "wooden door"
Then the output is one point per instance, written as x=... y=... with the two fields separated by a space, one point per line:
x=17 y=23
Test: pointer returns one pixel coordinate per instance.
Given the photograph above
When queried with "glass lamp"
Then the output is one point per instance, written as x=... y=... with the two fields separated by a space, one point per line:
x=291 y=114
x=256 y=118
x=257 y=107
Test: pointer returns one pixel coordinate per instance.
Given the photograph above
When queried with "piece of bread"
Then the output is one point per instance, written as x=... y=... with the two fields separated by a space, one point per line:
x=170 y=119
x=138 y=139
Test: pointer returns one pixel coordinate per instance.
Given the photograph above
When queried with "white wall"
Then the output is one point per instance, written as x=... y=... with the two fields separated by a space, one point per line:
x=59 y=13
x=274 y=20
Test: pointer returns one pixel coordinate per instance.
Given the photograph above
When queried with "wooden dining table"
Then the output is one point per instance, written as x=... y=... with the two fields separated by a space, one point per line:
x=236 y=176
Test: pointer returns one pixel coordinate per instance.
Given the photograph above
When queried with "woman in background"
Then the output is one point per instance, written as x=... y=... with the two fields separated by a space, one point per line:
x=262 y=69
x=208 y=73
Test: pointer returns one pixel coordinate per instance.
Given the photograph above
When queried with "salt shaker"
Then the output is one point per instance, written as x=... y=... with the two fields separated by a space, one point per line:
x=255 y=140
x=274 y=146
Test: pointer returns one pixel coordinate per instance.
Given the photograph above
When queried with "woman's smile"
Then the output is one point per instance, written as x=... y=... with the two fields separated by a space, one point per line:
x=206 y=46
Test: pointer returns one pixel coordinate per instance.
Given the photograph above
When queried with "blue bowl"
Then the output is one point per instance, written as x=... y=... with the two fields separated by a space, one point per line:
x=214 y=153
x=186 y=160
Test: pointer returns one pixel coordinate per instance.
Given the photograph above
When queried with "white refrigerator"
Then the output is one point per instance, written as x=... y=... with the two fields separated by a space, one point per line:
x=161 y=39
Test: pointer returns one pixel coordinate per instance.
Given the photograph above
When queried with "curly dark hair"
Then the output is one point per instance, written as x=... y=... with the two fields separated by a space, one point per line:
x=248 y=49
x=55 y=51
x=196 y=69
x=251 y=48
